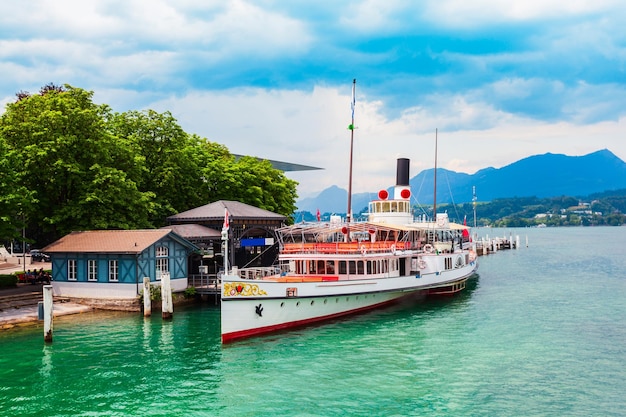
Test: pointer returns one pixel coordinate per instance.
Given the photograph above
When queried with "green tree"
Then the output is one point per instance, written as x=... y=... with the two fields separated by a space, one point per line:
x=79 y=173
x=170 y=166
x=15 y=199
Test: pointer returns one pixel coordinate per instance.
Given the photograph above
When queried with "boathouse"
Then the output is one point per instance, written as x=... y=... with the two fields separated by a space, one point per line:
x=113 y=263
x=252 y=239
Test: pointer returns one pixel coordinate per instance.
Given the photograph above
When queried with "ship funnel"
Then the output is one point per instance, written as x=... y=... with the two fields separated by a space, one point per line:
x=402 y=172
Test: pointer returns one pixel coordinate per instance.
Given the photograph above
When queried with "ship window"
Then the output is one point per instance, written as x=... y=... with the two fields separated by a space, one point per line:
x=369 y=267
x=352 y=266
x=342 y=267
x=385 y=207
x=299 y=265
x=359 y=266
x=330 y=267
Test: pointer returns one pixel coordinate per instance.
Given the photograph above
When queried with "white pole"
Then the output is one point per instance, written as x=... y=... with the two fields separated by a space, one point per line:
x=225 y=239
x=147 y=303
x=47 y=313
x=167 y=308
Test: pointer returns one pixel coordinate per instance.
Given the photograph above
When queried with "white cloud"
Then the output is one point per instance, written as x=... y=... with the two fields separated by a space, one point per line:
x=481 y=13
x=311 y=129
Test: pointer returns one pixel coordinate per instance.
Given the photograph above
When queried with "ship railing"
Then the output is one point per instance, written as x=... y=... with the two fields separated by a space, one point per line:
x=256 y=272
x=348 y=247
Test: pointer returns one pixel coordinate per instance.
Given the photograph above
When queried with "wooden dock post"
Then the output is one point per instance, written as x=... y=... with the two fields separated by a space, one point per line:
x=167 y=307
x=47 y=313
x=147 y=302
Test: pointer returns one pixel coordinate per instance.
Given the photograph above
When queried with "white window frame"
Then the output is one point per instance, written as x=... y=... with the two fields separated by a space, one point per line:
x=71 y=270
x=92 y=270
x=162 y=262
x=114 y=270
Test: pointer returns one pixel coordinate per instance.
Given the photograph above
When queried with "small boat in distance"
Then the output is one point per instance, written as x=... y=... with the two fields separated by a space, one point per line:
x=331 y=269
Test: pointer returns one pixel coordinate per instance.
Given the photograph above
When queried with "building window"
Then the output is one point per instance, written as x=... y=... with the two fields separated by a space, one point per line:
x=71 y=269
x=162 y=261
x=92 y=273
x=114 y=270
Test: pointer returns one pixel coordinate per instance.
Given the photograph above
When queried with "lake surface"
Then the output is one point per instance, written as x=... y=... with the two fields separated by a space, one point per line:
x=541 y=331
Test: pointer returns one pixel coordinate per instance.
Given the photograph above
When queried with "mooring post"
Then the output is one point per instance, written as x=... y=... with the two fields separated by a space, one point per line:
x=147 y=302
x=167 y=309
x=47 y=313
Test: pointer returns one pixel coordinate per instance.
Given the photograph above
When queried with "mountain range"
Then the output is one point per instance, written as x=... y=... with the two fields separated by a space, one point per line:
x=547 y=175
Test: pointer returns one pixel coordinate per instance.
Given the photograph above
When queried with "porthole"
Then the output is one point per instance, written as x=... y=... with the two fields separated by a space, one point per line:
x=298 y=303
x=325 y=301
x=347 y=298
x=312 y=302
x=282 y=304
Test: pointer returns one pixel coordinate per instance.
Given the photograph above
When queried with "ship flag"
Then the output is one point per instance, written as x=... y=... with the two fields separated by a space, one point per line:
x=465 y=231
x=226 y=223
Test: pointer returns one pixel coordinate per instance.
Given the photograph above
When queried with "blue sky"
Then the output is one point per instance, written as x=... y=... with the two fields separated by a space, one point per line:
x=499 y=80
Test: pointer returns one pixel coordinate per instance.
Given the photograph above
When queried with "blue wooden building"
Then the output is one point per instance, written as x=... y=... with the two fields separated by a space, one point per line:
x=113 y=263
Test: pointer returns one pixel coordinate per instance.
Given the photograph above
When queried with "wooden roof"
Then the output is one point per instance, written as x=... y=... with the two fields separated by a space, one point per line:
x=112 y=241
x=215 y=212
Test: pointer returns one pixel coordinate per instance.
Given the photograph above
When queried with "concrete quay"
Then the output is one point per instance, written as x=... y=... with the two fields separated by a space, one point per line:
x=19 y=305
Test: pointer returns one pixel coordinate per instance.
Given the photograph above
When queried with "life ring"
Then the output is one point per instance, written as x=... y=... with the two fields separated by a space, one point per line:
x=363 y=250
x=428 y=248
x=393 y=248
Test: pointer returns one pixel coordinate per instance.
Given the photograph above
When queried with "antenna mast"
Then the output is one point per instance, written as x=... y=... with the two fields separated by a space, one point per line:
x=351 y=128
x=435 y=190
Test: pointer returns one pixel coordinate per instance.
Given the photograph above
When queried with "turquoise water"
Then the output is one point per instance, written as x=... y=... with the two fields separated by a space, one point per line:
x=540 y=332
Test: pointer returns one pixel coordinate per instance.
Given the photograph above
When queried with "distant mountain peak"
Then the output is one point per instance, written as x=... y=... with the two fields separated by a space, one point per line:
x=545 y=175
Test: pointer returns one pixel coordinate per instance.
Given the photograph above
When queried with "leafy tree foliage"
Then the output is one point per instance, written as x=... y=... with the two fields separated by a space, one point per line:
x=77 y=171
x=69 y=164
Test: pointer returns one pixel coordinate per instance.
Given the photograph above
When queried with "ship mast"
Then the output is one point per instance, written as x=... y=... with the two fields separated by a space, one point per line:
x=435 y=185
x=351 y=128
x=474 y=203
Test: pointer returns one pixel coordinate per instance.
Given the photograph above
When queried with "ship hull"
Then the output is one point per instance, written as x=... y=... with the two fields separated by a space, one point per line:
x=255 y=307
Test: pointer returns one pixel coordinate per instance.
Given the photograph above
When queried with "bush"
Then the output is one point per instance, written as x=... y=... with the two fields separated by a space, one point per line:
x=190 y=292
x=8 y=281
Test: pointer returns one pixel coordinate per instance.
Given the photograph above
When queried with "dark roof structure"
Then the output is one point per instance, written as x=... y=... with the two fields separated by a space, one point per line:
x=216 y=211
x=284 y=166
x=194 y=231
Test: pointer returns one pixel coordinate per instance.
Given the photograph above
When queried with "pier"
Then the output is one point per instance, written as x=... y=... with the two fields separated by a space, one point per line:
x=205 y=284
x=486 y=246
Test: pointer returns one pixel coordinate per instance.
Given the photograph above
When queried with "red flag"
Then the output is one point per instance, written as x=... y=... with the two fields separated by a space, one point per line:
x=226 y=224
x=319 y=216
x=465 y=231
